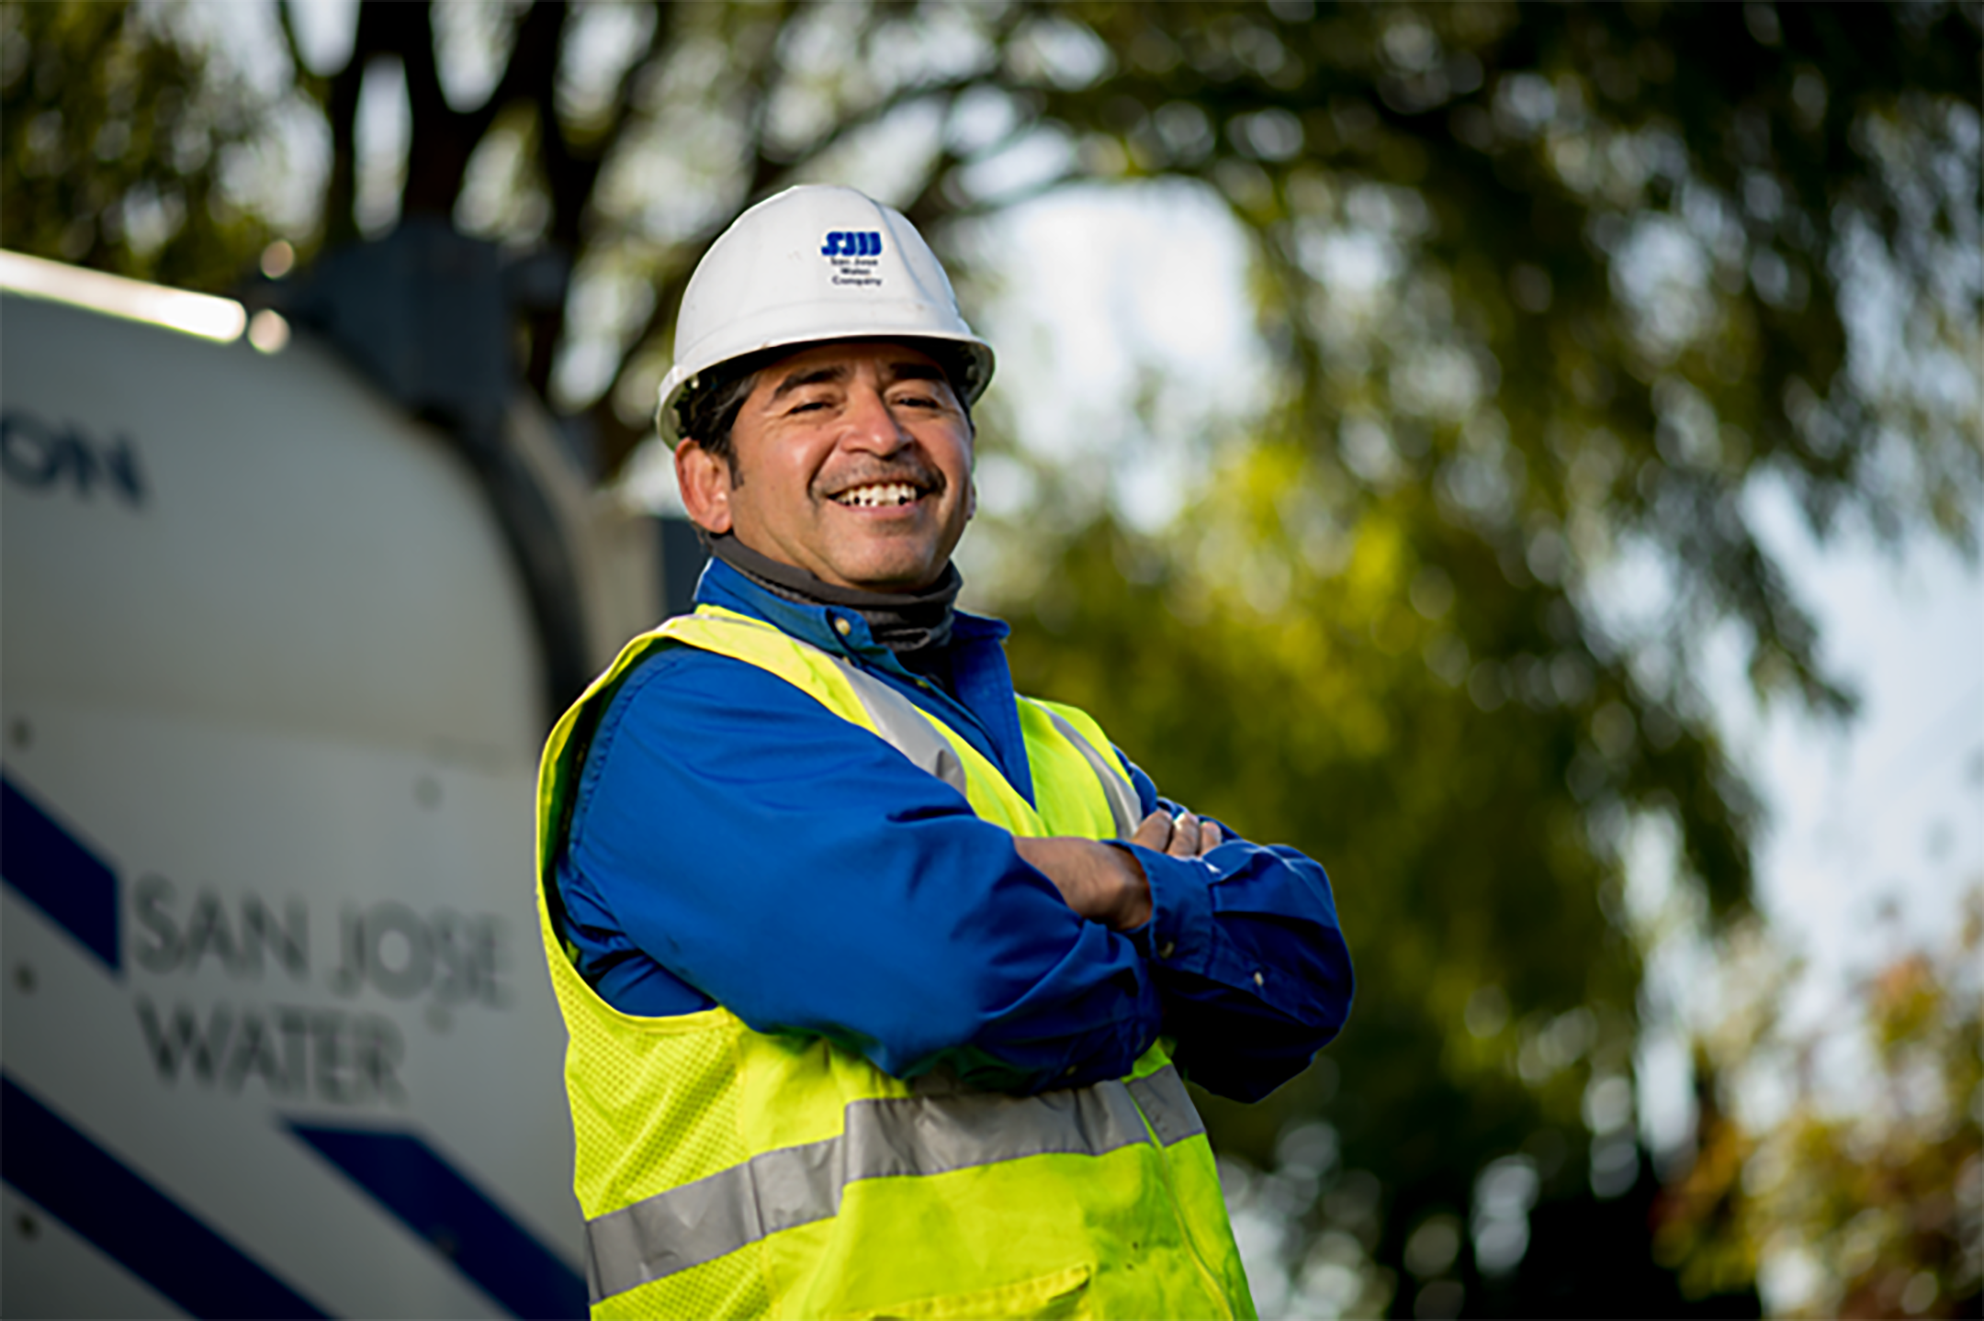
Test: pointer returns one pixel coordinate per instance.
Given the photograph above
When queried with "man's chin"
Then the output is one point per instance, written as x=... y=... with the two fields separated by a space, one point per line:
x=888 y=575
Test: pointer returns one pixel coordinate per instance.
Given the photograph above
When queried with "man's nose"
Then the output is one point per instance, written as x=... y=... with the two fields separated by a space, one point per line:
x=871 y=424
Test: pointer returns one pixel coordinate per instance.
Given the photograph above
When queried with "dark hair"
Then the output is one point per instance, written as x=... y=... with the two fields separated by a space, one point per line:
x=707 y=410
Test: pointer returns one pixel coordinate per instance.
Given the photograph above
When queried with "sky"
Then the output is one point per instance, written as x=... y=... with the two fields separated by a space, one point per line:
x=1887 y=813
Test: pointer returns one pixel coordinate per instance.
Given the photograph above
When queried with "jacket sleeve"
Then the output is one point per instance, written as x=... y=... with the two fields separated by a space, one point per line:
x=797 y=870
x=1251 y=966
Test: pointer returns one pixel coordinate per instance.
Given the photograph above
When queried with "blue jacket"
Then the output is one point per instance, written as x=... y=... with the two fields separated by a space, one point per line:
x=734 y=842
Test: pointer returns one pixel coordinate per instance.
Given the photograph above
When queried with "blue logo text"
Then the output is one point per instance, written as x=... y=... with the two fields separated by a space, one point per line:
x=853 y=243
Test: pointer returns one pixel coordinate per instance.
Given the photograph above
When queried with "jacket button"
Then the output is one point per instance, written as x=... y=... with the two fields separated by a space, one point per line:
x=1259 y=980
x=1165 y=952
x=841 y=626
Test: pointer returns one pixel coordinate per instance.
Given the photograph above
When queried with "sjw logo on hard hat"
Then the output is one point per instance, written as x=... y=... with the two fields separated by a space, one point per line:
x=853 y=243
x=852 y=254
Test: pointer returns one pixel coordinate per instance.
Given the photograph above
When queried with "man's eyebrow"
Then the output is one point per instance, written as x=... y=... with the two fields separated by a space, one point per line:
x=800 y=380
x=911 y=370
x=908 y=369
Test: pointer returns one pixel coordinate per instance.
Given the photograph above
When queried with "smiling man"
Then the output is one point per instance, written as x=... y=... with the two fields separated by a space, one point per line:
x=882 y=980
x=851 y=462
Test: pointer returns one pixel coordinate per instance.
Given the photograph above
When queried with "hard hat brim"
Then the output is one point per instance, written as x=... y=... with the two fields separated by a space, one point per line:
x=678 y=383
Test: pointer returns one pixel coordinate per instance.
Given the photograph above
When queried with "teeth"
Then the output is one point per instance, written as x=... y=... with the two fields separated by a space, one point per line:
x=879 y=495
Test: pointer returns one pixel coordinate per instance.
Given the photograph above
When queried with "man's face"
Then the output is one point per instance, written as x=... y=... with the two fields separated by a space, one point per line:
x=853 y=462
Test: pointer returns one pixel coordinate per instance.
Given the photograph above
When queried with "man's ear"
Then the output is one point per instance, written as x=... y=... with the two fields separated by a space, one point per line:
x=704 y=480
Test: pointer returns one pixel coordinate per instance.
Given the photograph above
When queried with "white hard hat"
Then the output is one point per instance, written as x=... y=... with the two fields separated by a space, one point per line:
x=816 y=262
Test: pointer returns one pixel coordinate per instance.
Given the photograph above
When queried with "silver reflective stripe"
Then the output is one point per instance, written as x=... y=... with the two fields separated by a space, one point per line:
x=906 y=729
x=902 y=726
x=883 y=1138
x=1165 y=1102
x=1116 y=786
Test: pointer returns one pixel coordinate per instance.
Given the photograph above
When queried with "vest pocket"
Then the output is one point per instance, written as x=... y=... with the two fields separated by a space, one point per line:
x=1060 y=1295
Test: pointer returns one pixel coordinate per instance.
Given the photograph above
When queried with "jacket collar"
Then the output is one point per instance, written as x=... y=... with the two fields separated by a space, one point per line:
x=835 y=629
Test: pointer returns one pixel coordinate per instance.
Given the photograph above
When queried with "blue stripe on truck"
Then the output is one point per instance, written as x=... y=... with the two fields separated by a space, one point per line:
x=145 y=1231
x=440 y=1205
x=58 y=874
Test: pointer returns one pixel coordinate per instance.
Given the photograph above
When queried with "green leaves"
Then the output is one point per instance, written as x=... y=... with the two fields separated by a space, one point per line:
x=117 y=147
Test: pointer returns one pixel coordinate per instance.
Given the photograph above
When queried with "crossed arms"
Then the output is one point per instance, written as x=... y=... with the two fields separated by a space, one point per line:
x=734 y=843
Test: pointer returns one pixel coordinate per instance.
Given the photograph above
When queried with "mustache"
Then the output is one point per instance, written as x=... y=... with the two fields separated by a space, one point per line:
x=869 y=473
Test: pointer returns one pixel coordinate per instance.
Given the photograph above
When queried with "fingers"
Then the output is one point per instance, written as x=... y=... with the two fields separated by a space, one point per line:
x=1185 y=837
x=1154 y=832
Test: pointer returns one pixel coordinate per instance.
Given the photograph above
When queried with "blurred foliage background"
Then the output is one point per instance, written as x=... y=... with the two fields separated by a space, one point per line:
x=1545 y=294
x=1882 y=1203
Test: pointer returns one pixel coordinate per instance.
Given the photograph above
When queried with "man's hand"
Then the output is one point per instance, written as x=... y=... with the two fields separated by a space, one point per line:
x=1183 y=837
x=1106 y=884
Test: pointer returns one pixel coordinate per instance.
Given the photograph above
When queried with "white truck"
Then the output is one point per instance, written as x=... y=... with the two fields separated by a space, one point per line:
x=283 y=626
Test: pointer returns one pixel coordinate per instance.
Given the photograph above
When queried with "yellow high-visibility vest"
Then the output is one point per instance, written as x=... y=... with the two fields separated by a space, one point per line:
x=727 y=1172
